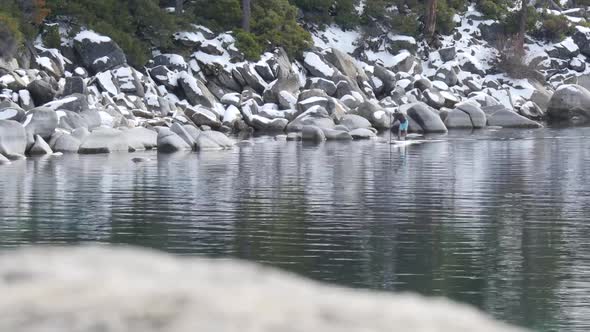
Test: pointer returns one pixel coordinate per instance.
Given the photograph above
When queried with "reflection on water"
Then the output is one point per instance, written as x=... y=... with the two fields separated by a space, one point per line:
x=499 y=223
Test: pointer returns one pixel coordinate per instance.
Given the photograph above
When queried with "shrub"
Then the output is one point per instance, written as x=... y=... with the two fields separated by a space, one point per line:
x=51 y=37
x=248 y=44
x=10 y=36
x=554 y=27
x=406 y=24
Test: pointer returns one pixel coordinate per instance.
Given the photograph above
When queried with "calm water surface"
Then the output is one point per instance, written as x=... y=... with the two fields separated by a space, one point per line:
x=498 y=219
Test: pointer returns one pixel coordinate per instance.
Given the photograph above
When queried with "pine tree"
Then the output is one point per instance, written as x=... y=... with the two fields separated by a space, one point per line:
x=246 y=15
x=430 y=24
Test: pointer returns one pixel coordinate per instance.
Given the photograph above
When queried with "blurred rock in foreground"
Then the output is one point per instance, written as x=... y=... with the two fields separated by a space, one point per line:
x=120 y=289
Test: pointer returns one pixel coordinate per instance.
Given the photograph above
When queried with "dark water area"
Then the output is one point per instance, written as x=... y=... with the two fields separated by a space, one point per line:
x=498 y=219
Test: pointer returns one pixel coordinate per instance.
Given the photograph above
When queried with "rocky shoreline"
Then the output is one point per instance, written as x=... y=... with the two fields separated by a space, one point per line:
x=85 y=98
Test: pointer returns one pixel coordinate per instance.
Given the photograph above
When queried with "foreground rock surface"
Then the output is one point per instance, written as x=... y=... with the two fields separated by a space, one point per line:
x=122 y=290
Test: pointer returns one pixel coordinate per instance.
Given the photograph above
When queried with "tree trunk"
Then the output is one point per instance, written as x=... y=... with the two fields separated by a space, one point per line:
x=522 y=28
x=246 y=15
x=430 y=24
x=179 y=5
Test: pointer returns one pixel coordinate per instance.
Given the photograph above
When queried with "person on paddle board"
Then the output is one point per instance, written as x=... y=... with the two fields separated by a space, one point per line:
x=403 y=125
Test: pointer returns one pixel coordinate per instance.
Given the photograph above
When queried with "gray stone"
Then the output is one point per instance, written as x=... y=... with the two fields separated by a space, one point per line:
x=48 y=285
x=322 y=84
x=582 y=38
x=92 y=118
x=476 y=114
x=203 y=117
x=448 y=53
x=169 y=142
x=294 y=137
x=508 y=119
x=353 y=121
x=245 y=144
x=251 y=78
x=447 y=75
x=12 y=112
x=312 y=133
x=426 y=117
x=532 y=111
x=41 y=121
x=66 y=143
x=570 y=103
x=196 y=91
x=140 y=138
x=264 y=70
x=41 y=92
x=306 y=104
x=182 y=133
x=318 y=66
x=13 y=139
x=339 y=135
x=317 y=116
x=220 y=138
x=170 y=61
x=74 y=84
x=75 y=103
x=4 y=160
x=40 y=147
x=457 y=119
x=377 y=116
x=362 y=133
x=104 y=140
x=98 y=53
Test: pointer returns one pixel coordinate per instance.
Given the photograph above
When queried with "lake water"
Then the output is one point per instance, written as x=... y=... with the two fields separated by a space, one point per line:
x=497 y=219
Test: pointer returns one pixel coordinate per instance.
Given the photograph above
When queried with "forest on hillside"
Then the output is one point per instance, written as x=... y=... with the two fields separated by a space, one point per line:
x=139 y=26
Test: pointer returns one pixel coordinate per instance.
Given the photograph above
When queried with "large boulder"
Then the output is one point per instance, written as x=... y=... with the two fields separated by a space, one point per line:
x=317 y=116
x=426 y=118
x=171 y=61
x=13 y=139
x=353 y=121
x=337 y=135
x=74 y=84
x=41 y=92
x=509 y=119
x=55 y=289
x=41 y=121
x=457 y=119
x=582 y=39
x=75 y=103
x=362 y=133
x=476 y=114
x=317 y=66
x=377 y=115
x=196 y=91
x=141 y=138
x=98 y=53
x=104 y=140
x=12 y=112
x=66 y=143
x=312 y=133
x=570 y=103
x=69 y=120
x=202 y=116
x=169 y=142
x=179 y=130
x=40 y=147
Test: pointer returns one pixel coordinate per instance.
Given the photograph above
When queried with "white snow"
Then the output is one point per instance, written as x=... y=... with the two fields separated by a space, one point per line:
x=408 y=39
x=312 y=100
x=231 y=114
x=314 y=60
x=91 y=36
x=80 y=71
x=334 y=36
x=106 y=81
x=106 y=120
x=387 y=59
x=440 y=85
x=569 y=44
x=25 y=97
x=7 y=79
x=360 y=7
x=44 y=62
x=8 y=113
x=56 y=104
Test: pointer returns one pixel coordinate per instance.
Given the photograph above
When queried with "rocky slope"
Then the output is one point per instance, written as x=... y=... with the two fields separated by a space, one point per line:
x=84 y=97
